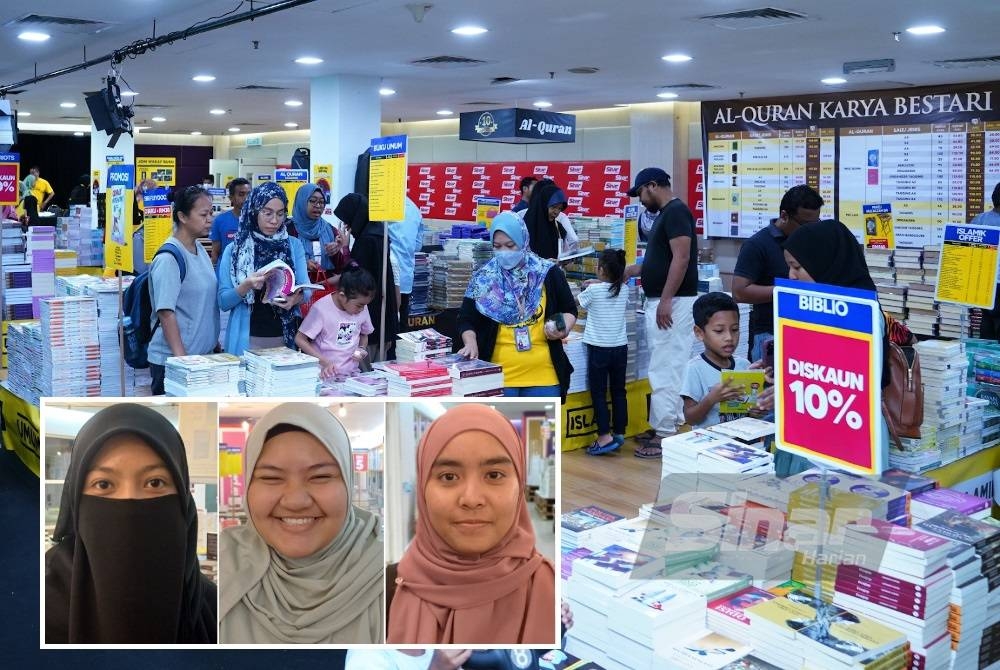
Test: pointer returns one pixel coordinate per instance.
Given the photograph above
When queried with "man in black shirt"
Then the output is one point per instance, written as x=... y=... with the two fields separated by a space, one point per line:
x=762 y=259
x=669 y=274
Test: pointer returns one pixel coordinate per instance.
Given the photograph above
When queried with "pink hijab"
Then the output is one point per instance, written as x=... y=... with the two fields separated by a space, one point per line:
x=506 y=595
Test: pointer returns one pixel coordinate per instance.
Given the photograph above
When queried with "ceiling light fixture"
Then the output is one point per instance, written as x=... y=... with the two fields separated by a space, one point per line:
x=308 y=60
x=234 y=129
x=542 y=104
x=666 y=96
x=24 y=113
x=293 y=103
x=387 y=91
x=158 y=119
x=33 y=36
x=291 y=124
x=203 y=78
x=925 y=30
x=78 y=134
x=676 y=58
x=217 y=112
x=67 y=105
x=196 y=132
x=832 y=81
x=469 y=31
x=445 y=112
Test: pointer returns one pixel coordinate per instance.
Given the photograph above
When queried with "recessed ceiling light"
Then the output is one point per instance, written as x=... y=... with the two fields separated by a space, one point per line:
x=291 y=124
x=32 y=36
x=387 y=91
x=293 y=103
x=666 y=95
x=469 y=31
x=129 y=93
x=234 y=129
x=158 y=119
x=925 y=30
x=676 y=58
x=196 y=132
x=24 y=113
x=830 y=81
x=67 y=105
x=445 y=112
x=309 y=60
x=217 y=112
x=542 y=104
x=78 y=134
x=203 y=78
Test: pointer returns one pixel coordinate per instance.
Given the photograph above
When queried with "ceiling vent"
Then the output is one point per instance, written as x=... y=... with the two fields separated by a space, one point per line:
x=62 y=23
x=448 y=61
x=259 y=87
x=961 y=63
x=584 y=70
x=687 y=87
x=750 y=19
x=500 y=81
x=870 y=66
x=484 y=103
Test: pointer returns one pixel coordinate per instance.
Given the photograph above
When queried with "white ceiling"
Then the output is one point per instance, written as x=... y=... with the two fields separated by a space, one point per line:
x=535 y=41
x=360 y=417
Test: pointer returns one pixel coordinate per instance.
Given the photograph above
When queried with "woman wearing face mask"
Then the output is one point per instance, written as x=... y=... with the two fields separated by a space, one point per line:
x=511 y=314
x=307 y=568
x=124 y=568
x=307 y=213
x=472 y=574
x=261 y=238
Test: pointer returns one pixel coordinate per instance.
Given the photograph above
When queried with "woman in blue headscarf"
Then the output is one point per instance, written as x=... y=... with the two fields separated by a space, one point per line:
x=261 y=238
x=307 y=213
x=511 y=311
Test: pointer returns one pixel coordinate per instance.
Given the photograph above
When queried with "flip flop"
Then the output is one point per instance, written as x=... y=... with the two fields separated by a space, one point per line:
x=648 y=451
x=598 y=449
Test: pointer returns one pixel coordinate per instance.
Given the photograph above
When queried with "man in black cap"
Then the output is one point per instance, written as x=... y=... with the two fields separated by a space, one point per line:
x=669 y=274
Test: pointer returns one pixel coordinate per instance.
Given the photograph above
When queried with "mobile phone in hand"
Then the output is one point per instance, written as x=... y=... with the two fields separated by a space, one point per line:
x=769 y=354
x=559 y=321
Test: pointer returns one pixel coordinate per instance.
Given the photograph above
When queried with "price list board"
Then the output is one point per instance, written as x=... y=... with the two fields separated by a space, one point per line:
x=932 y=154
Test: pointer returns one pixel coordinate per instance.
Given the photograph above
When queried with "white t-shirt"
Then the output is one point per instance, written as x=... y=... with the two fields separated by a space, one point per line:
x=699 y=378
x=386 y=659
x=605 y=325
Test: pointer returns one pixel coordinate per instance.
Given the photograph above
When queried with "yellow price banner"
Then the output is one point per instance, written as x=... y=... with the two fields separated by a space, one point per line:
x=387 y=179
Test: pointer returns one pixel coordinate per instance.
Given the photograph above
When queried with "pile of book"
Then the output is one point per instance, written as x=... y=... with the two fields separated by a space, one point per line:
x=449 y=281
x=943 y=368
x=24 y=347
x=578 y=525
x=419 y=379
x=473 y=376
x=367 y=384
x=880 y=265
x=909 y=269
x=476 y=250
x=420 y=345
x=105 y=293
x=892 y=298
x=71 y=356
x=65 y=262
x=576 y=351
x=727 y=615
x=280 y=371
x=421 y=283
x=929 y=504
x=691 y=653
x=207 y=375
x=42 y=253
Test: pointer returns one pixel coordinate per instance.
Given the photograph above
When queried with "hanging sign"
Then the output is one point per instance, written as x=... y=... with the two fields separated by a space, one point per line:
x=118 y=227
x=290 y=181
x=517 y=126
x=162 y=170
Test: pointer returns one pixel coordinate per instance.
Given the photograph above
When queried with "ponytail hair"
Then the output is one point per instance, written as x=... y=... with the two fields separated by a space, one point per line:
x=613 y=263
x=356 y=281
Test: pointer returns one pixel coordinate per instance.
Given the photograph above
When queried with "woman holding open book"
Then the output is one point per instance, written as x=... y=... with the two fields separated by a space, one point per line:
x=257 y=321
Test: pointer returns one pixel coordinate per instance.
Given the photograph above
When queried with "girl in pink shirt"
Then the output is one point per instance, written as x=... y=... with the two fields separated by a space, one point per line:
x=337 y=327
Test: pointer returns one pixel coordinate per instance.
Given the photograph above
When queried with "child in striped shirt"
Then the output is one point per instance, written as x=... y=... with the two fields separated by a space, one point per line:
x=607 y=349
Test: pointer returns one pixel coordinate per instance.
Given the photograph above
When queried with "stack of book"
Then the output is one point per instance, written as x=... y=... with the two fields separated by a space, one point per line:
x=693 y=653
x=931 y=503
x=24 y=347
x=682 y=542
x=727 y=615
x=280 y=371
x=907 y=481
x=973 y=422
x=735 y=458
x=65 y=262
x=645 y=620
x=449 y=280
x=42 y=252
x=420 y=379
x=900 y=578
x=880 y=265
x=921 y=308
x=576 y=351
x=208 y=375
x=578 y=525
x=105 y=293
x=367 y=384
x=471 y=249
x=421 y=283
x=711 y=580
x=420 y=345
x=472 y=376
x=679 y=464
x=71 y=357
x=17 y=304
x=892 y=298
x=931 y=261
x=909 y=269
x=745 y=430
x=943 y=368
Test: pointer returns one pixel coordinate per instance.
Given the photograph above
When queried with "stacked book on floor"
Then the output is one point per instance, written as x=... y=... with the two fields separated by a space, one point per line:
x=71 y=355
x=421 y=345
x=419 y=379
x=24 y=351
x=367 y=384
x=449 y=280
x=105 y=293
x=892 y=298
x=473 y=376
x=42 y=253
x=206 y=375
x=943 y=367
x=421 y=284
x=280 y=371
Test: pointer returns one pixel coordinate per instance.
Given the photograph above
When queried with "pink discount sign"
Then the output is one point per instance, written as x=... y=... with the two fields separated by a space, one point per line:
x=9 y=166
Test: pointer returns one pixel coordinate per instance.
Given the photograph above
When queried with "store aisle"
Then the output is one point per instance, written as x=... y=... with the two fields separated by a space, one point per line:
x=545 y=534
x=617 y=482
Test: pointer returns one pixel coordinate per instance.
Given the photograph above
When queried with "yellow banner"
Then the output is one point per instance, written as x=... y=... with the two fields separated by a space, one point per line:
x=162 y=170
x=579 y=427
x=879 y=231
x=967 y=274
x=20 y=428
x=631 y=232
x=118 y=218
x=157 y=223
x=387 y=179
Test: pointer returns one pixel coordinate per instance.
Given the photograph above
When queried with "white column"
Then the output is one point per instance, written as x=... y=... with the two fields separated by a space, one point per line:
x=99 y=158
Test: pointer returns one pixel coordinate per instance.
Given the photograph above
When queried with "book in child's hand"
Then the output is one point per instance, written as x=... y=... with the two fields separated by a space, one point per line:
x=752 y=383
x=279 y=282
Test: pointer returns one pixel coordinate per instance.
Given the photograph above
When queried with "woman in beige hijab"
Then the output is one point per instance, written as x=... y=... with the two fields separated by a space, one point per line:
x=307 y=567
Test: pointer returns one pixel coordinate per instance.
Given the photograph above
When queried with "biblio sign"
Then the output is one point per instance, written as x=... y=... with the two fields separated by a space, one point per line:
x=517 y=126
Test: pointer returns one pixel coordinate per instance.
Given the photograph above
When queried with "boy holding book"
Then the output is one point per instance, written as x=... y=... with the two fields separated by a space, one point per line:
x=717 y=325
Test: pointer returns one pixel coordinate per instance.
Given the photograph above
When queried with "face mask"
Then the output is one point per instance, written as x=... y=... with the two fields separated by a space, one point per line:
x=509 y=259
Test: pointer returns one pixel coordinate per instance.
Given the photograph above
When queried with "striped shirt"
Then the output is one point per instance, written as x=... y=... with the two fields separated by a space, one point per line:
x=605 y=315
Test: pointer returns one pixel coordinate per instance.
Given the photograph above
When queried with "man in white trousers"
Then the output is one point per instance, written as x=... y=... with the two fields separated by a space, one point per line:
x=669 y=274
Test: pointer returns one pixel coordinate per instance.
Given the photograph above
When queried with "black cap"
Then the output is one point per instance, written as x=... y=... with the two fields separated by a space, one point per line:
x=647 y=175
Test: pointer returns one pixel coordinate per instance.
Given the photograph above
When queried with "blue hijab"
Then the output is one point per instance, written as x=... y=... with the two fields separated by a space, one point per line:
x=314 y=230
x=510 y=297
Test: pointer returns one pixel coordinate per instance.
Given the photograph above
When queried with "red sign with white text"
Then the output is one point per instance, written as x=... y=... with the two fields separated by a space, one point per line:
x=449 y=190
x=360 y=460
x=696 y=193
x=8 y=180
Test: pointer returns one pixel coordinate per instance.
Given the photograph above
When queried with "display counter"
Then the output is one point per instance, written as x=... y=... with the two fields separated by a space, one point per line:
x=19 y=427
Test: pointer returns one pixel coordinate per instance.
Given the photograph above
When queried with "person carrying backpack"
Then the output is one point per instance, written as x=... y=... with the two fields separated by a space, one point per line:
x=183 y=298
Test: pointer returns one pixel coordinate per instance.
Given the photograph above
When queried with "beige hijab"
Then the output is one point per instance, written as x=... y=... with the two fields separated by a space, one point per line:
x=334 y=596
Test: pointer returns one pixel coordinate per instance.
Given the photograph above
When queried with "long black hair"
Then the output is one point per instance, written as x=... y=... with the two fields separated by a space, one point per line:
x=185 y=200
x=613 y=263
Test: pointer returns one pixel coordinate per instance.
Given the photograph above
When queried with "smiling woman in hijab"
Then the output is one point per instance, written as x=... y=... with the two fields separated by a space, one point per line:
x=124 y=567
x=368 y=251
x=310 y=201
x=510 y=310
x=472 y=574
x=307 y=567
x=261 y=238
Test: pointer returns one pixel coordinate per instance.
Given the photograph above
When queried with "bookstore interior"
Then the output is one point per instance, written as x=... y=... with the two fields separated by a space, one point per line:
x=781 y=452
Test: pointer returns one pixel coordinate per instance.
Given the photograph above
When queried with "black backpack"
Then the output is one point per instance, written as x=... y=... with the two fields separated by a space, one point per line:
x=137 y=312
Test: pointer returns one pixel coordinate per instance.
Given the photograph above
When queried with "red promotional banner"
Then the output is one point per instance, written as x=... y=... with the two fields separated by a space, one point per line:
x=9 y=164
x=696 y=193
x=449 y=190
x=360 y=460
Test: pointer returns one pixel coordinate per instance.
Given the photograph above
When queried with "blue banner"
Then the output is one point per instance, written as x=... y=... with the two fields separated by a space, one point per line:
x=392 y=145
x=517 y=126
x=291 y=175
x=155 y=198
x=10 y=158
x=121 y=175
x=966 y=234
x=839 y=308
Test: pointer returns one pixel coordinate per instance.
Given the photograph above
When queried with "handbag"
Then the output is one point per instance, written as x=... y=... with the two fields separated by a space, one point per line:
x=903 y=399
x=319 y=277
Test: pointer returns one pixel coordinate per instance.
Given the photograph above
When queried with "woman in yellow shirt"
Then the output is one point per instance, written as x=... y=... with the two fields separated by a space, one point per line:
x=516 y=312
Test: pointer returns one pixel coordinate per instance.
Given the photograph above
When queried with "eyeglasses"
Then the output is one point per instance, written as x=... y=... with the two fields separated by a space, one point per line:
x=317 y=201
x=271 y=214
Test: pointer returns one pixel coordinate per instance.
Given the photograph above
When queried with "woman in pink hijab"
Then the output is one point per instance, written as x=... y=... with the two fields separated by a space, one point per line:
x=472 y=574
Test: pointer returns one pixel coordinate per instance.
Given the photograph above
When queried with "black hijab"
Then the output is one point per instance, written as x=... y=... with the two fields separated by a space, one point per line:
x=544 y=234
x=126 y=571
x=353 y=211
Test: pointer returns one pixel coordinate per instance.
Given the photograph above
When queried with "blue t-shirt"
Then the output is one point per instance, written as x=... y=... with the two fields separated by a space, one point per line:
x=224 y=229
